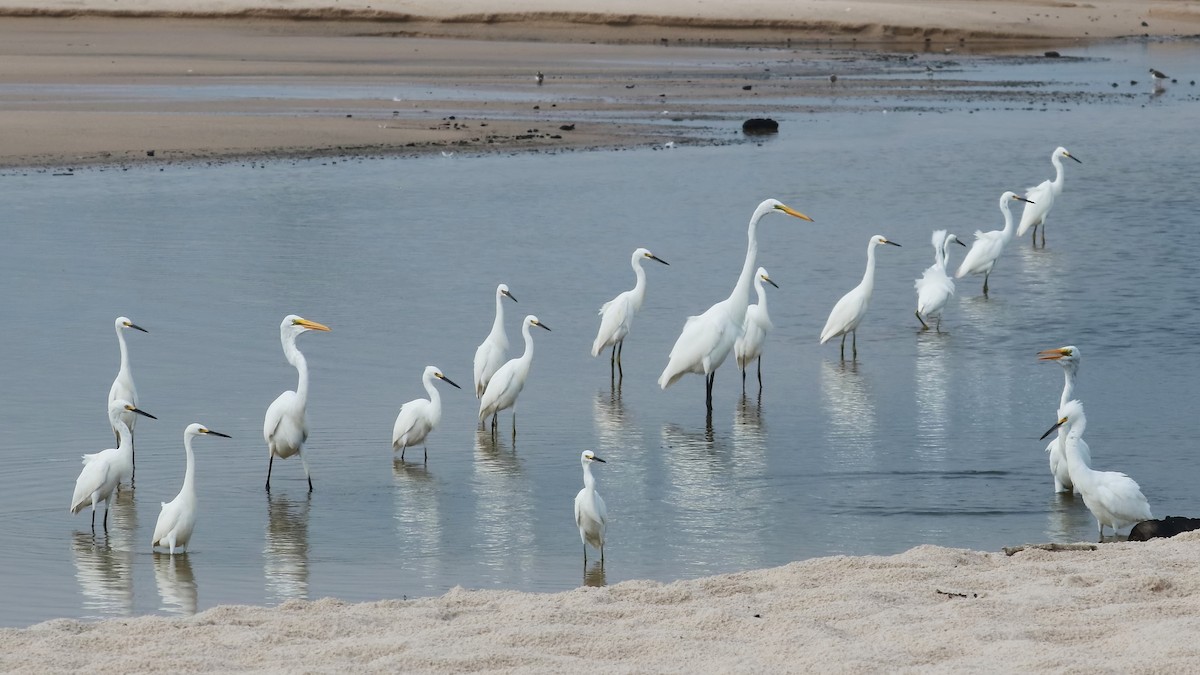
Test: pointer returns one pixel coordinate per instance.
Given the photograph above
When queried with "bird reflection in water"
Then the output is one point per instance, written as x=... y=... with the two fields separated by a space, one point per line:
x=503 y=514
x=104 y=572
x=176 y=583
x=594 y=575
x=851 y=413
x=285 y=555
x=932 y=394
x=418 y=518
x=749 y=437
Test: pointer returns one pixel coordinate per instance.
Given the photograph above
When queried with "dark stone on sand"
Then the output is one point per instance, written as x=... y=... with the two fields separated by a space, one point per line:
x=1052 y=55
x=1166 y=527
x=149 y=153
x=760 y=125
x=747 y=87
x=567 y=127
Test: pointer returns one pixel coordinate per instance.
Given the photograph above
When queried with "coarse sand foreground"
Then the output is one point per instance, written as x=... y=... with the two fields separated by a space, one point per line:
x=1126 y=607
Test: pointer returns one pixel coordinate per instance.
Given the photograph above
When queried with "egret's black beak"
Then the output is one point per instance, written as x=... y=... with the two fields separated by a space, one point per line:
x=768 y=280
x=137 y=327
x=142 y=412
x=1053 y=429
x=654 y=257
x=511 y=296
x=543 y=325
x=889 y=241
x=959 y=242
x=597 y=459
x=1023 y=199
x=210 y=432
x=449 y=381
x=1075 y=158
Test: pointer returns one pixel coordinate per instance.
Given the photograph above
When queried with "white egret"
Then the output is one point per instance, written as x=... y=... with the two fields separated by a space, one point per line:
x=708 y=338
x=506 y=385
x=420 y=416
x=748 y=347
x=852 y=307
x=490 y=355
x=1068 y=357
x=616 y=315
x=1043 y=196
x=177 y=518
x=1114 y=498
x=123 y=388
x=935 y=287
x=591 y=515
x=103 y=470
x=989 y=245
x=284 y=427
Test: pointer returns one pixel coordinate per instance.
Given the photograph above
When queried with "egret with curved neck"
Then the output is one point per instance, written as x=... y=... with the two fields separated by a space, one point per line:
x=492 y=352
x=852 y=307
x=989 y=245
x=616 y=315
x=1069 y=358
x=506 y=385
x=748 y=348
x=177 y=519
x=103 y=470
x=591 y=515
x=420 y=416
x=123 y=388
x=1043 y=196
x=935 y=287
x=285 y=428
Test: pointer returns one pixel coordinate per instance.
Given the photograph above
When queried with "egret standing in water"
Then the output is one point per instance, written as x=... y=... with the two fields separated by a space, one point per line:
x=1043 y=196
x=1113 y=498
x=177 y=518
x=850 y=310
x=103 y=470
x=492 y=352
x=708 y=338
x=989 y=245
x=935 y=287
x=123 y=388
x=616 y=315
x=420 y=416
x=1068 y=357
x=591 y=516
x=285 y=428
x=748 y=348
x=506 y=385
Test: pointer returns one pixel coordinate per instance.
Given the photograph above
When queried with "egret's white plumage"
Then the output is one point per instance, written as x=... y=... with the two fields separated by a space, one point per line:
x=284 y=427
x=1043 y=196
x=492 y=352
x=420 y=416
x=935 y=287
x=1068 y=357
x=591 y=515
x=852 y=307
x=1114 y=498
x=708 y=338
x=506 y=385
x=177 y=518
x=748 y=348
x=616 y=315
x=123 y=388
x=989 y=245
x=103 y=470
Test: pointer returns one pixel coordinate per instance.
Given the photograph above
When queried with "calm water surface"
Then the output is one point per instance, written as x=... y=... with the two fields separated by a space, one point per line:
x=926 y=439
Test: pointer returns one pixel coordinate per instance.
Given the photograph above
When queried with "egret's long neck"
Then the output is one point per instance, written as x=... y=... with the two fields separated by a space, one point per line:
x=761 y=292
x=740 y=298
x=124 y=351
x=295 y=358
x=498 y=324
x=1068 y=392
x=1058 y=172
x=589 y=481
x=868 y=280
x=435 y=399
x=189 y=474
x=639 y=288
x=125 y=445
x=1008 y=232
x=1081 y=473
x=527 y=356
x=945 y=254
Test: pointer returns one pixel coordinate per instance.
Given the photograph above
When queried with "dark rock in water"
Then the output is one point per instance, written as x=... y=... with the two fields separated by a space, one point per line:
x=1166 y=527
x=747 y=87
x=1052 y=55
x=567 y=127
x=760 y=125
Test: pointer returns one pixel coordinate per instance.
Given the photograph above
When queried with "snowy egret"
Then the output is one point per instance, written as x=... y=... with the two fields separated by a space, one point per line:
x=850 y=310
x=708 y=338
x=1114 y=498
x=123 y=388
x=103 y=470
x=1043 y=196
x=1068 y=357
x=492 y=352
x=420 y=416
x=284 y=427
x=989 y=245
x=177 y=518
x=616 y=315
x=935 y=287
x=748 y=347
x=590 y=513
x=506 y=385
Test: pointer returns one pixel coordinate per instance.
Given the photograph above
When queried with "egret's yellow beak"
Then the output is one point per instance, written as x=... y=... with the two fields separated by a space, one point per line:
x=311 y=325
x=793 y=212
x=1052 y=354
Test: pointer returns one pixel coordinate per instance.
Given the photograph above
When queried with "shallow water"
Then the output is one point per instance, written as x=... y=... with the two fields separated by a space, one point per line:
x=926 y=438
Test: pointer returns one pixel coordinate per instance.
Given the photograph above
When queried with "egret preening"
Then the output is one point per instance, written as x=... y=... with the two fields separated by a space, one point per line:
x=850 y=310
x=1043 y=196
x=1068 y=357
x=708 y=338
x=103 y=470
x=989 y=245
x=616 y=315
x=123 y=388
x=285 y=428
x=506 y=385
x=492 y=352
x=177 y=518
x=935 y=287
x=1113 y=498
x=749 y=346
x=590 y=513
x=420 y=416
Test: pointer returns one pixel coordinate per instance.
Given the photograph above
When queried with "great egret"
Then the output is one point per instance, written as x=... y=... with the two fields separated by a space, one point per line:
x=935 y=287
x=123 y=388
x=490 y=354
x=506 y=385
x=1113 y=498
x=850 y=310
x=177 y=518
x=420 y=416
x=1043 y=196
x=616 y=315
x=748 y=347
x=103 y=470
x=989 y=245
x=591 y=515
x=1068 y=357
x=708 y=338
x=284 y=427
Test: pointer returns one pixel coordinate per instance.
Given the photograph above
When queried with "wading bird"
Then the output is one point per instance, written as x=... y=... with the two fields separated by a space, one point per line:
x=103 y=470
x=935 y=287
x=492 y=352
x=123 y=389
x=748 y=348
x=284 y=427
x=852 y=307
x=1043 y=196
x=177 y=518
x=591 y=515
x=1068 y=357
x=616 y=315
x=420 y=416
x=509 y=380
x=989 y=245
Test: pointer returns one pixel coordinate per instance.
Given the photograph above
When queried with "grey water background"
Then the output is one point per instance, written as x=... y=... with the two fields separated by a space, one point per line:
x=926 y=439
